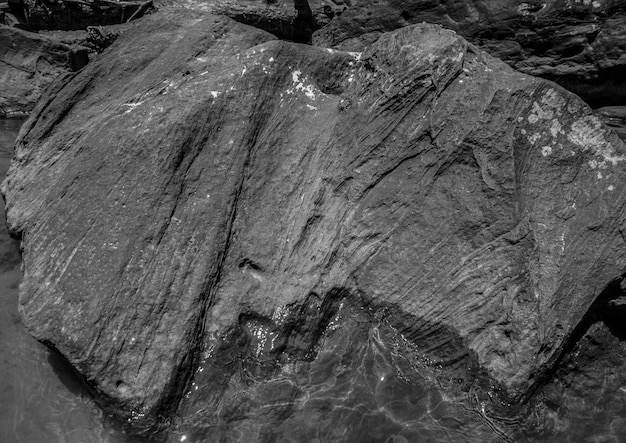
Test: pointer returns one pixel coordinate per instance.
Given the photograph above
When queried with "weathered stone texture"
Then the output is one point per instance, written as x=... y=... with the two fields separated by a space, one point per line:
x=202 y=178
x=28 y=64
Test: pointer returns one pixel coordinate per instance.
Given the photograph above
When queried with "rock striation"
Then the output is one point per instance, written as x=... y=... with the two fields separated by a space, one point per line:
x=205 y=211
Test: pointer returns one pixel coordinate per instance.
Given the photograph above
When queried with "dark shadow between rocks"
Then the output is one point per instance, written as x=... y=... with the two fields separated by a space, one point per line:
x=609 y=309
x=605 y=89
x=68 y=375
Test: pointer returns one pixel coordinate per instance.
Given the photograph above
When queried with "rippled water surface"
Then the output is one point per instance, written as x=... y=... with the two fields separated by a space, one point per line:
x=40 y=401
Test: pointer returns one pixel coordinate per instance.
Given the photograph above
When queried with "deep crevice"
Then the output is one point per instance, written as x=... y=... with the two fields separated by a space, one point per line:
x=609 y=308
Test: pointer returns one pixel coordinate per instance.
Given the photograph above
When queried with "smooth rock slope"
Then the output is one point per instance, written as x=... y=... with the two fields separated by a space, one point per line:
x=203 y=196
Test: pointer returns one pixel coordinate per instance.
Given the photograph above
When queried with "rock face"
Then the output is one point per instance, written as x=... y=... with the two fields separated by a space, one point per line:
x=578 y=43
x=205 y=211
x=615 y=118
x=29 y=63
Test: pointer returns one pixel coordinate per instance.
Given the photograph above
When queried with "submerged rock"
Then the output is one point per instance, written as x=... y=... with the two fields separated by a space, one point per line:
x=28 y=64
x=206 y=212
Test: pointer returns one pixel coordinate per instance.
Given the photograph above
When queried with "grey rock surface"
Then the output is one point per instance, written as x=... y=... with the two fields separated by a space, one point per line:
x=202 y=185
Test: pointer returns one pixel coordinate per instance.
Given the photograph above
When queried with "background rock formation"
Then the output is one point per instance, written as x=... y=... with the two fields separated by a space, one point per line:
x=578 y=43
x=28 y=64
x=205 y=201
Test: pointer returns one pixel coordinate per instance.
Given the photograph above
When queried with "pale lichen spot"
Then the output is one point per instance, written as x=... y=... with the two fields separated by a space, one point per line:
x=588 y=133
x=599 y=175
x=311 y=107
x=309 y=90
x=546 y=150
x=555 y=129
x=214 y=94
x=539 y=113
x=533 y=138
x=611 y=188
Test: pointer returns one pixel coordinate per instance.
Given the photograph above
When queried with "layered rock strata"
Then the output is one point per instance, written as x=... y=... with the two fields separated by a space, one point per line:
x=205 y=199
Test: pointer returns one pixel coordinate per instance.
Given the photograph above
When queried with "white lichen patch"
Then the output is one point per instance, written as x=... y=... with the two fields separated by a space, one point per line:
x=356 y=55
x=300 y=85
x=589 y=134
x=534 y=138
x=556 y=129
x=586 y=133
x=214 y=94
x=539 y=113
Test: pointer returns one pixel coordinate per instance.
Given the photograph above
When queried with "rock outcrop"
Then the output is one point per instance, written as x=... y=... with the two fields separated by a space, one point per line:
x=578 y=43
x=209 y=216
x=75 y=15
x=28 y=64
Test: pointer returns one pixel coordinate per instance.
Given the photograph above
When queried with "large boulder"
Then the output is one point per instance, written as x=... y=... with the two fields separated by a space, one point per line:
x=28 y=64
x=215 y=221
x=578 y=43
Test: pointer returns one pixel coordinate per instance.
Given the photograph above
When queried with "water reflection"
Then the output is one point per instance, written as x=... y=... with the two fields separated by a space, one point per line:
x=40 y=400
x=365 y=384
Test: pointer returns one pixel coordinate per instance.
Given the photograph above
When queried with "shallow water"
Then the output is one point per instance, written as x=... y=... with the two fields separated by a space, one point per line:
x=40 y=400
